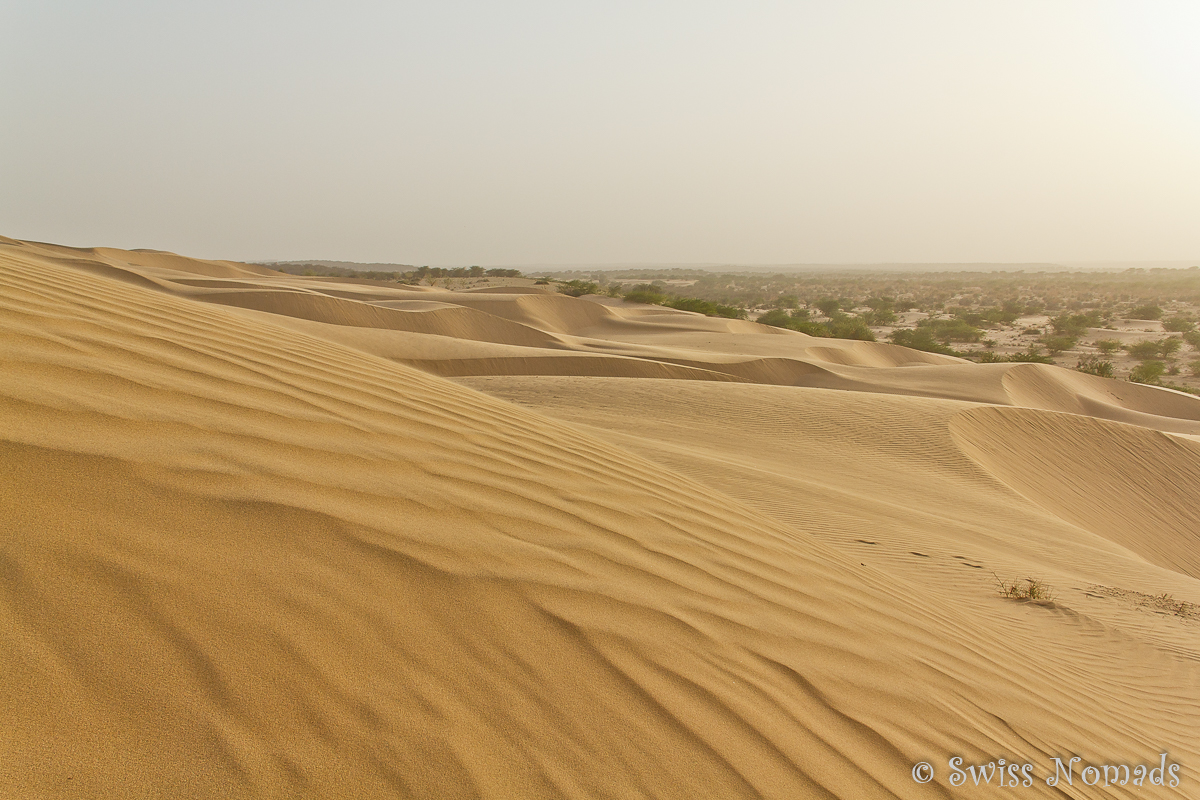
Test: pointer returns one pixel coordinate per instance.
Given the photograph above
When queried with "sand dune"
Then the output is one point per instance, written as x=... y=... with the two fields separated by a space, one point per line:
x=251 y=551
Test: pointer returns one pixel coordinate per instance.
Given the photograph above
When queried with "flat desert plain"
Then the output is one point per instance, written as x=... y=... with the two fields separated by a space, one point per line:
x=276 y=536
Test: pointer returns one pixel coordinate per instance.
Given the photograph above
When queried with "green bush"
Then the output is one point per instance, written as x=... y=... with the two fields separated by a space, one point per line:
x=776 y=318
x=1094 y=365
x=1076 y=324
x=951 y=330
x=1192 y=338
x=881 y=317
x=1057 y=344
x=705 y=307
x=1195 y=367
x=1033 y=355
x=1180 y=323
x=828 y=306
x=1148 y=311
x=844 y=326
x=1169 y=347
x=646 y=293
x=1107 y=346
x=922 y=339
x=787 y=301
x=841 y=326
x=578 y=288
x=1143 y=351
x=1149 y=372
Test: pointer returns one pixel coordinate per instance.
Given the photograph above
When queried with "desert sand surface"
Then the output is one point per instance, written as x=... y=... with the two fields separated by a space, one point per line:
x=274 y=536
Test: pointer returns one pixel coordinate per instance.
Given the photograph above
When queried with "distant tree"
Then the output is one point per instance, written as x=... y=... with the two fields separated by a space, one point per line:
x=1057 y=344
x=881 y=317
x=776 y=318
x=1148 y=311
x=578 y=288
x=1107 y=346
x=646 y=293
x=828 y=306
x=1180 y=323
x=1169 y=347
x=796 y=321
x=788 y=301
x=951 y=330
x=1075 y=324
x=1144 y=350
x=844 y=326
x=1148 y=372
x=705 y=307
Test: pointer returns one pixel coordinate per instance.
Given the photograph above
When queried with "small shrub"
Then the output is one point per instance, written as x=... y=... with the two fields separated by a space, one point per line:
x=1148 y=311
x=1195 y=367
x=881 y=317
x=1143 y=351
x=828 y=306
x=1075 y=324
x=844 y=326
x=1192 y=338
x=1107 y=346
x=788 y=301
x=646 y=293
x=1148 y=372
x=1180 y=323
x=776 y=318
x=578 y=288
x=921 y=339
x=1057 y=344
x=1033 y=355
x=1094 y=365
x=951 y=330
x=705 y=307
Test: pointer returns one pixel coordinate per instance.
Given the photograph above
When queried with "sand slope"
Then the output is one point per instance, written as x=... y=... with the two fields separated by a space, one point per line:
x=251 y=552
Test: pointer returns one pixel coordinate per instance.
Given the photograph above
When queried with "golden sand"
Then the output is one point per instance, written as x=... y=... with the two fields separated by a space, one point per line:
x=257 y=543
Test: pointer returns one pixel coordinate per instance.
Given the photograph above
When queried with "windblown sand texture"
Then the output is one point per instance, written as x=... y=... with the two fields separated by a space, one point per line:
x=269 y=536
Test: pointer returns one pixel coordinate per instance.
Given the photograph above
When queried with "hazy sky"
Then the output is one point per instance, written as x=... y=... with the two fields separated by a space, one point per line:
x=583 y=132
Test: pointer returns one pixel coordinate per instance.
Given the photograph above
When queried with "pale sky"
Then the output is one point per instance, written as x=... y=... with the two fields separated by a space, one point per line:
x=585 y=132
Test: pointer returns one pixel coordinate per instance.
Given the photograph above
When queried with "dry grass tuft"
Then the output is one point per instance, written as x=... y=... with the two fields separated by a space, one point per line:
x=1027 y=589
